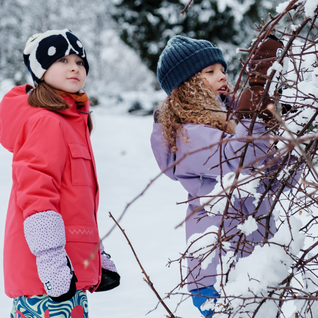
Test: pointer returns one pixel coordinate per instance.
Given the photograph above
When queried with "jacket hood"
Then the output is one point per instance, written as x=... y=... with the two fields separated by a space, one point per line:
x=15 y=111
x=164 y=157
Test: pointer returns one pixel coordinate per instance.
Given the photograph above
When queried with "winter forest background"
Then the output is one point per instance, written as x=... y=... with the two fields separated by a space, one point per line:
x=123 y=40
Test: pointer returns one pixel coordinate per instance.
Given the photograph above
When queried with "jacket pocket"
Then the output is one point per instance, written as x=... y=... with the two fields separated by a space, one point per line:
x=81 y=246
x=82 y=233
x=81 y=165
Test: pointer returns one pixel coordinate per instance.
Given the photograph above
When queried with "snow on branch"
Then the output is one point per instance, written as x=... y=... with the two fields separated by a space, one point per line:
x=278 y=275
x=267 y=264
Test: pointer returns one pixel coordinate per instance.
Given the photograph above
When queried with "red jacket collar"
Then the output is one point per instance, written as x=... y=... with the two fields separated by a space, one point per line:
x=73 y=109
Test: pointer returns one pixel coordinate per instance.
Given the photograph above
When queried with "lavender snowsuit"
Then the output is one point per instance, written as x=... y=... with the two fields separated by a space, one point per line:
x=196 y=176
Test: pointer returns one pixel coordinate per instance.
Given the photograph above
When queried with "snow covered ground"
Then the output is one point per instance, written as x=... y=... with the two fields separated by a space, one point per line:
x=125 y=165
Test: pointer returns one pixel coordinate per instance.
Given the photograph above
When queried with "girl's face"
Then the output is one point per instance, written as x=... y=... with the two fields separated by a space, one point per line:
x=67 y=74
x=215 y=78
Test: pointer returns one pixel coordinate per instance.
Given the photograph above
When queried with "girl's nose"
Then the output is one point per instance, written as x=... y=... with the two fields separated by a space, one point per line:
x=222 y=76
x=74 y=67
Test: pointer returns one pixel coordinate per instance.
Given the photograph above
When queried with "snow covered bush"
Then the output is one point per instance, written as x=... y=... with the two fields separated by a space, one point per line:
x=278 y=276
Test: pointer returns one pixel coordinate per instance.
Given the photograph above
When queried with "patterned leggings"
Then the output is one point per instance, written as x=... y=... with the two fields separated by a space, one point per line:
x=44 y=307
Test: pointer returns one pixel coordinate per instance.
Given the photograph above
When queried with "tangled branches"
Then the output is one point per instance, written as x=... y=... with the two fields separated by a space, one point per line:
x=267 y=263
x=263 y=239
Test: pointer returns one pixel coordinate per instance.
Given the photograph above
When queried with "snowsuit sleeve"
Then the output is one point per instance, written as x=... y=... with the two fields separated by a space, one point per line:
x=38 y=165
x=208 y=154
x=223 y=153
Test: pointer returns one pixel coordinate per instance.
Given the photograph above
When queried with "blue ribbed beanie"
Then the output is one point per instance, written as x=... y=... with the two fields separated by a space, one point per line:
x=184 y=57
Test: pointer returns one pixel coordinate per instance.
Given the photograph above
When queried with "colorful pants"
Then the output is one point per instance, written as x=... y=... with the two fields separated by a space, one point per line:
x=44 y=307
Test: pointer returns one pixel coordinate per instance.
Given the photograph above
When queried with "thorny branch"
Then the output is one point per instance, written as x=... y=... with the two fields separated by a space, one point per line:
x=186 y=8
x=296 y=154
x=146 y=278
x=290 y=179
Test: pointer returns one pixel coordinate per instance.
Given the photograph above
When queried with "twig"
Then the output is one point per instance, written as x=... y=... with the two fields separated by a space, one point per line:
x=186 y=8
x=147 y=278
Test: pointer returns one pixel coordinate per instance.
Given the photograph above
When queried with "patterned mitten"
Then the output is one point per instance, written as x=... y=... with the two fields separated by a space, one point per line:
x=45 y=235
x=110 y=278
x=262 y=60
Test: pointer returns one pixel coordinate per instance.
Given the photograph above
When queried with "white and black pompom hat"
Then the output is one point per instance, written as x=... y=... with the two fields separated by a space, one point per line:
x=43 y=49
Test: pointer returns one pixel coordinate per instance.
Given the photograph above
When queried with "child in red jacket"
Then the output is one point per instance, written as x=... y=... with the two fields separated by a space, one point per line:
x=51 y=226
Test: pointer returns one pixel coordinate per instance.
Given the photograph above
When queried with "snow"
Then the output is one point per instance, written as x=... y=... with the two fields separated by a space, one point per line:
x=249 y=226
x=282 y=6
x=199 y=244
x=125 y=165
x=240 y=8
x=246 y=184
x=248 y=279
x=278 y=68
x=310 y=7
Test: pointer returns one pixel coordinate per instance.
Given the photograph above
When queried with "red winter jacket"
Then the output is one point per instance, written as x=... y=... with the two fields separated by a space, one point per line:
x=53 y=169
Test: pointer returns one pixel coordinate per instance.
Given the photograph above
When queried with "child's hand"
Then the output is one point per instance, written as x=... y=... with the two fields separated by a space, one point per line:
x=110 y=278
x=249 y=102
x=62 y=279
x=265 y=55
x=45 y=235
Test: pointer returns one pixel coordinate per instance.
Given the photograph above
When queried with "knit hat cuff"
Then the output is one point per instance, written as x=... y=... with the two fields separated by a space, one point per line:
x=190 y=66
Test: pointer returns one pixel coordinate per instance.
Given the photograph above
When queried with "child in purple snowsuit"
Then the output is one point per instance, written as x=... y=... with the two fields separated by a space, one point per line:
x=193 y=116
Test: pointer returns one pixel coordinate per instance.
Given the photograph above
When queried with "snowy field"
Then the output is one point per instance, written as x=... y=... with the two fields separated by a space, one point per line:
x=125 y=165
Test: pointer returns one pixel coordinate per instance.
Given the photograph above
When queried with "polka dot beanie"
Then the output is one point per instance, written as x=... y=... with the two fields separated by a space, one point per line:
x=43 y=49
x=184 y=57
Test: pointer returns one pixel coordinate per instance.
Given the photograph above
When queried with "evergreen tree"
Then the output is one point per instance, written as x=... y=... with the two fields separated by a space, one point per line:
x=113 y=65
x=146 y=26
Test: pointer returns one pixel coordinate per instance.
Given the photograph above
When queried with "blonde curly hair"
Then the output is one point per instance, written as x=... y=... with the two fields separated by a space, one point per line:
x=193 y=103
